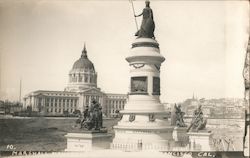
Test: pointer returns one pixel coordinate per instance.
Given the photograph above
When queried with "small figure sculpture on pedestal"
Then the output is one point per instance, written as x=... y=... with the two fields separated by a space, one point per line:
x=198 y=121
x=179 y=116
x=147 y=25
x=92 y=118
x=90 y=135
x=180 y=131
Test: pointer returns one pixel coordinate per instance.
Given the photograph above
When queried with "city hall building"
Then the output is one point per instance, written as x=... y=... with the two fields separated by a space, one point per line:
x=81 y=90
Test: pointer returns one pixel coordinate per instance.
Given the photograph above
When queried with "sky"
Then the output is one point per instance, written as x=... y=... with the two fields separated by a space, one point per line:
x=204 y=43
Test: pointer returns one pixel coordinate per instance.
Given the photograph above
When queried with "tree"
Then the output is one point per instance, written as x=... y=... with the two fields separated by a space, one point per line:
x=29 y=110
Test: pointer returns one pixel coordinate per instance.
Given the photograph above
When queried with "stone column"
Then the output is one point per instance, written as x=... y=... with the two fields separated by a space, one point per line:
x=90 y=97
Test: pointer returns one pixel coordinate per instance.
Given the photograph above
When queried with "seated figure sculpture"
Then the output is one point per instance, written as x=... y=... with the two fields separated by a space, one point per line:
x=198 y=122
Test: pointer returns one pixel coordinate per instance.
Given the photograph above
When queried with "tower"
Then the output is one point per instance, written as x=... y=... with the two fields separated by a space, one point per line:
x=142 y=125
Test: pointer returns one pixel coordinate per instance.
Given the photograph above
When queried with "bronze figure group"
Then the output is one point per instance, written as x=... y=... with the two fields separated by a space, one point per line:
x=92 y=117
x=179 y=116
x=198 y=121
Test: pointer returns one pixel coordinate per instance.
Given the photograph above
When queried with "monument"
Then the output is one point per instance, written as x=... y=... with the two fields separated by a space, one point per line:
x=142 y=126
x=199 y=137
x=89 y=134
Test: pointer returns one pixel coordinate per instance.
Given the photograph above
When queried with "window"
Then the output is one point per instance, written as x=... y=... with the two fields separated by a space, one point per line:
x=85 y=78
x=91 y=79
x=80 y=78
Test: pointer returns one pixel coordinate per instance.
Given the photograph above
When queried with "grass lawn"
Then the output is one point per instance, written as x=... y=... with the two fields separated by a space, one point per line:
x=38 y=134
x=47 y=134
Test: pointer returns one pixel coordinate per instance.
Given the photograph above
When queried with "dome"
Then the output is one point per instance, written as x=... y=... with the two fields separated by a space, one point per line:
x=84 y=62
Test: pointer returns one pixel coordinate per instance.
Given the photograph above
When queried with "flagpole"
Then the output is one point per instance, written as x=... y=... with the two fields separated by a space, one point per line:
x=20 y=90
x=134 y=14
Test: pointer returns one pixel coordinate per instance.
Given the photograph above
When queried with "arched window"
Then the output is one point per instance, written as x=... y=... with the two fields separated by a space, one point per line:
x=80 y=78
x=85 y=78
x=73 y=77
x=91 y=79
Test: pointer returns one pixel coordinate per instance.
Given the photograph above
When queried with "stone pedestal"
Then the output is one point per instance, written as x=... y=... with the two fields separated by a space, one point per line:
x=200 y=141
x=87 y=141
x=180 y=134
x=142 y=126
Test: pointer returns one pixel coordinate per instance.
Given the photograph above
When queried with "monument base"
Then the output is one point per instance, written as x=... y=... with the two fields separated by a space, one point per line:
x=88 y=140
x=143 y=139
x=180 y=134
x=200 y=141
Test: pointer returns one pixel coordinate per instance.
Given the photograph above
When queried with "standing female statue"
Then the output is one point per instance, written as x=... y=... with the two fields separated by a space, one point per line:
x=147 y=25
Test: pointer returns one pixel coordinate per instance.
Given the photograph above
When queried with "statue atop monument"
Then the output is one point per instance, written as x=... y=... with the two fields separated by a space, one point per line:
x=198 y=122
x=147 y=26
x=92 y=117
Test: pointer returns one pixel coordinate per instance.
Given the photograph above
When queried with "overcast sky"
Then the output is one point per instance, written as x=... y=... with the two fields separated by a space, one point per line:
x=203 y=42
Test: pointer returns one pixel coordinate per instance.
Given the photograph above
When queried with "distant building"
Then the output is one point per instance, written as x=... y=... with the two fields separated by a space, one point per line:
x=7 y=107
x=2 y=110
x=216 y=108
x=81 y=89
x=189 y=105
x=114 y=104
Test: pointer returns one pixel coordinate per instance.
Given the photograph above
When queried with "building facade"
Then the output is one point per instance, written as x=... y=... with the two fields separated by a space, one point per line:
x=80 y=91
x=7 y=107
x=114 y=104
